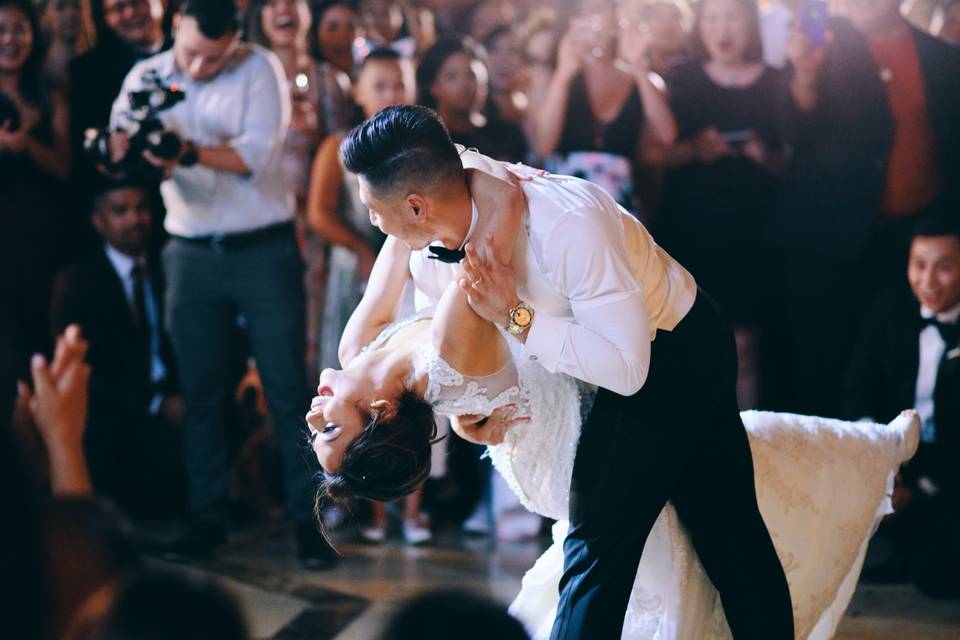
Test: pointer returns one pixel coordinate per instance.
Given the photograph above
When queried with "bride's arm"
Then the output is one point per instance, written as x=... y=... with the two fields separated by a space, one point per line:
x=500 y=203
x=474 y=347
x=467 y=342
x=470 y=344
x=380 y=302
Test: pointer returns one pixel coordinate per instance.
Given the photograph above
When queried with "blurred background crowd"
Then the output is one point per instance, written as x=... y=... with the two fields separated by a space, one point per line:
x=785 y=160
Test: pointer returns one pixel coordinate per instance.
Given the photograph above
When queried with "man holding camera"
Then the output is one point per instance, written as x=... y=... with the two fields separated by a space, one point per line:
x=232 y=250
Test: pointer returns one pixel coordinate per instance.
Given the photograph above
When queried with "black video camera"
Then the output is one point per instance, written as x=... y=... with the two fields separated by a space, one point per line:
x=146 y=131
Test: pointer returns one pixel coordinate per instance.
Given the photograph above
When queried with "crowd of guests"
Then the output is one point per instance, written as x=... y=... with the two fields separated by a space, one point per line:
x=796 y=167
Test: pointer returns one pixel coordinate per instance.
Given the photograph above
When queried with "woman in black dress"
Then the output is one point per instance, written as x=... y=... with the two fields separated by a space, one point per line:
x=37 y=235
x=600 y=101
x=721 y=174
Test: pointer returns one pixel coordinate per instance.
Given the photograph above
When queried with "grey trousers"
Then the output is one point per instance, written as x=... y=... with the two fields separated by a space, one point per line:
x=207 y=287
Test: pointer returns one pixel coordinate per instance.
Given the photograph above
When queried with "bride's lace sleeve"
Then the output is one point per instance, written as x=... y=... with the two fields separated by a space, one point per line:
x=454 y=394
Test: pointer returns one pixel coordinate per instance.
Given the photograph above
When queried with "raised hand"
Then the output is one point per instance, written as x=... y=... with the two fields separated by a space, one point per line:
x=58 y=404
x=632 y=49
x=58 y=401
x=569 y=54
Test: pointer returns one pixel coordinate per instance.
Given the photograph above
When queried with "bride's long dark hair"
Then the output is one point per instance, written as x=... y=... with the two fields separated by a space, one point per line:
x=390 y=458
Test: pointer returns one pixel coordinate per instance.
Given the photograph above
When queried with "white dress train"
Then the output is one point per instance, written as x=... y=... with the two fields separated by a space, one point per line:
x=822 y=486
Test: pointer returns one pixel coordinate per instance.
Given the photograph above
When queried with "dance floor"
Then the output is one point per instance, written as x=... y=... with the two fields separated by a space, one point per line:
x=285 y=602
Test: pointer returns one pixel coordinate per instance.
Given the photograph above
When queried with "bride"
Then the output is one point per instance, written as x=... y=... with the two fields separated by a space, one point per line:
x=822 y=485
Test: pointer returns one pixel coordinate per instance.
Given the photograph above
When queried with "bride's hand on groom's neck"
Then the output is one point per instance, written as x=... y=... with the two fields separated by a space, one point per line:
x=490 y=283
x=501 y=205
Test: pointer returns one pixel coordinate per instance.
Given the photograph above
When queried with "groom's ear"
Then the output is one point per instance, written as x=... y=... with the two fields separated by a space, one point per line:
x=418 y=206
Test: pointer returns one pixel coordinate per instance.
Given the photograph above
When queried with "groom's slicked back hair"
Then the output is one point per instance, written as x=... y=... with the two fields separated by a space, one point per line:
x=402 y=148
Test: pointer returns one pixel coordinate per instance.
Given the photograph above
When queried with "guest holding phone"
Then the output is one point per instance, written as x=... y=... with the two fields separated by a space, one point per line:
x=721 y=174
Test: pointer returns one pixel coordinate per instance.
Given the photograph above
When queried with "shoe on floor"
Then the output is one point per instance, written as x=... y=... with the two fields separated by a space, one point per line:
x=375 y=535
x=313 y=550
x=416 y=533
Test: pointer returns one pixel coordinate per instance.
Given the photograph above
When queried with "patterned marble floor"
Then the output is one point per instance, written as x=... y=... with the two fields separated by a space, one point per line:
x=284 y=602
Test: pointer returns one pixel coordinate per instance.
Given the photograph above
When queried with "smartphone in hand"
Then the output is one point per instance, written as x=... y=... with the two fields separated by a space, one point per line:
x=737 y=139
x=813 y=16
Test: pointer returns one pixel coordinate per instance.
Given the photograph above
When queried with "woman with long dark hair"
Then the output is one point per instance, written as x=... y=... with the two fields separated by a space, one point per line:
x=34 y=159
x=452 y=80
x=334 y=31
x=34 y=122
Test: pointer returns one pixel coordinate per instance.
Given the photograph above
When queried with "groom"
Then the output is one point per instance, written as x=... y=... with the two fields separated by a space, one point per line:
x=590 y=293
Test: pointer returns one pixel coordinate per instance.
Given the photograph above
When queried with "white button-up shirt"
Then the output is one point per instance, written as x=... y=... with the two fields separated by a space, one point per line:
x=932 y=347
x=245 y=106
x=599 y=285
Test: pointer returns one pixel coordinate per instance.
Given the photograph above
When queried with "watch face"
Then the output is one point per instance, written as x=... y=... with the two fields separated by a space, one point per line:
x=521 y=316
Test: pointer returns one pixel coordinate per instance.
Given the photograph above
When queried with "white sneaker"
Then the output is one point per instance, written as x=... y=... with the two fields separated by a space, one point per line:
x=415 y=533
x=374 y=534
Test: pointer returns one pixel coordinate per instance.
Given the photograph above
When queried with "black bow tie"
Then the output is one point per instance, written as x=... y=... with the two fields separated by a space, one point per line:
x=949 y=331
x=450 y=256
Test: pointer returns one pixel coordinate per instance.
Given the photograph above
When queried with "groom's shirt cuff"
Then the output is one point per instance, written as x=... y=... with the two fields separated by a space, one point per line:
x=606 y=342
x=544 y=343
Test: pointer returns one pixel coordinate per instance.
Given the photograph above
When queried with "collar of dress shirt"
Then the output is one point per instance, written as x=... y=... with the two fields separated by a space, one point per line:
x=122 y=263
x=474 y=216
x=949 y=316
x=166 y=64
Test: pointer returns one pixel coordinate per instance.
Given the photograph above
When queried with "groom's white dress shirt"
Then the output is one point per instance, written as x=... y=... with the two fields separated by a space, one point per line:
x=599 y=285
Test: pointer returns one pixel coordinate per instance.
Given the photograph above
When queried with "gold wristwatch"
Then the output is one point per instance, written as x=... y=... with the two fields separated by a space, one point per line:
x=520 y=318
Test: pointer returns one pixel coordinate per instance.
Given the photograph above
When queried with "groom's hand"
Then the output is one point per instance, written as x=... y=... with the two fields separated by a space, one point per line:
x=490 y=284
x=487 y=430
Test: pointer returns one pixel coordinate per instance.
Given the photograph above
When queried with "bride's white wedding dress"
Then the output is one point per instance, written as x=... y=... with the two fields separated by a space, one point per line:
x=822 y=487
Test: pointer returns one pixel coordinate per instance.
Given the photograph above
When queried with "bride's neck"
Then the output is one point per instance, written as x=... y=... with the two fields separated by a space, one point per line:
x=394 y=367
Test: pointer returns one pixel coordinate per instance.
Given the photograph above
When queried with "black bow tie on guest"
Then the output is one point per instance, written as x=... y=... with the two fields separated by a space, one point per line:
x=450 y=256
x=949 y=331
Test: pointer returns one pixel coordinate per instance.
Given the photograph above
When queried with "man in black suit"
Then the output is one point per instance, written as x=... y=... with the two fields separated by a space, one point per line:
x=872 y=117
x=115 y=295
x=909 y=355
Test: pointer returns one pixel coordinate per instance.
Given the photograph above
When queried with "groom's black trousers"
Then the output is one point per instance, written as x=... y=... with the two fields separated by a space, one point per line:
x=679 y=439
